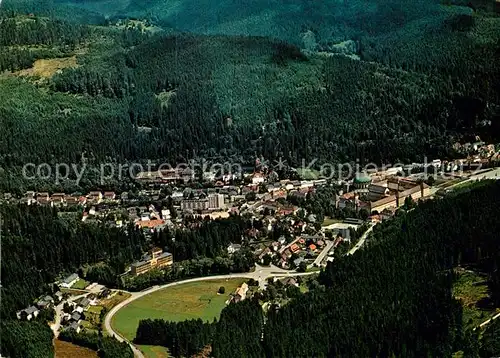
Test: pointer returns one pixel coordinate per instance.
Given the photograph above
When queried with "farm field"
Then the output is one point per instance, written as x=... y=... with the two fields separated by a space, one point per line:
x=178 y=303
x=69 y=350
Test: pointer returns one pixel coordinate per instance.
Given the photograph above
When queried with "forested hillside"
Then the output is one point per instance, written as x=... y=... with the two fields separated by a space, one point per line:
x=429 y=79
x=38 y=245
x=394 y=297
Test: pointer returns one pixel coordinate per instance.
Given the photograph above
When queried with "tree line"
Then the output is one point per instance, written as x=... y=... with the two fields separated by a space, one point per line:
x=183 y=339
x=237 y=333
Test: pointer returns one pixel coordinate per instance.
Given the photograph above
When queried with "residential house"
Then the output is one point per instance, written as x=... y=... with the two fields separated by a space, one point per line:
x=290 y=281
x=84 y=302
x=109 y=195
x=76 y=317
x=79 y=309
x=43 y=199
x=76 y=326
x=151 y=224
x=95 y=197
x=28 y=313
x=165 y=214
x=257 y=178
x=294 y=248
x=241 y=293
x=29 y=198
x=231 y=249
x=58 y=199
x=45 y=302
x=69 y=281
x=59 y=296
x=72 y=200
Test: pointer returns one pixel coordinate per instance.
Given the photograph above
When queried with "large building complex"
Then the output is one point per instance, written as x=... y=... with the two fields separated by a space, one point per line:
x=156 y=258
x=211 y=202
x=393 y=193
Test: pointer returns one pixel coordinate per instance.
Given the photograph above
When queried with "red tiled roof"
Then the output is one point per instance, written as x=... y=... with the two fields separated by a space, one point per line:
x=150 y=223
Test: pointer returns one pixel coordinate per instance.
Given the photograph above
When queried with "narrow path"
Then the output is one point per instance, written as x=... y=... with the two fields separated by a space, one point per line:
x=362 y=240
x=56 y=326
x=489 y=320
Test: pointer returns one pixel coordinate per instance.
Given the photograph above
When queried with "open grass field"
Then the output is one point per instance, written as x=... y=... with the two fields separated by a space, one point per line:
x=178 y=303
x=472 y=291
x=80 y=284
x=154 y=351
x=46 y=68
x=69 y=350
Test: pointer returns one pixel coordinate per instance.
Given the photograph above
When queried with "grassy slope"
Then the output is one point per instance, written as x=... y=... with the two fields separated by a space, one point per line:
x=69 y=350
x=472 y=291
x=188 y=301
x=154 y=351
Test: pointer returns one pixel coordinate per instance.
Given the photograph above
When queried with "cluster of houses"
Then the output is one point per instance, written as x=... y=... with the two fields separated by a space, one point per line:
x=477 y=151
x=62 y=199
x=304 y=248
x=45 y=302
x=73 y=318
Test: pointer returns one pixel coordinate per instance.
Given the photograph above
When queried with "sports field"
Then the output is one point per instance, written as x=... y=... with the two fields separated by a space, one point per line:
x=178 y=303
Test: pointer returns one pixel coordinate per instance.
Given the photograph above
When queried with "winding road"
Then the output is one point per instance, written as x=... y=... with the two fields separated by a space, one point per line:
x=260 y=274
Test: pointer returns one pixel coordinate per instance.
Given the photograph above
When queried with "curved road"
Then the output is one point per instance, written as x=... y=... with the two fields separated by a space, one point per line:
x=260 y=274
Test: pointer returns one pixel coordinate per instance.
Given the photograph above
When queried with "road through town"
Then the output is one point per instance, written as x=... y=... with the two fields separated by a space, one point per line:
x=322 y=255
x=260 y=274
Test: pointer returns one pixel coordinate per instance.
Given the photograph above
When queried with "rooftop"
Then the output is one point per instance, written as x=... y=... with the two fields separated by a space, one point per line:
x=362 y=178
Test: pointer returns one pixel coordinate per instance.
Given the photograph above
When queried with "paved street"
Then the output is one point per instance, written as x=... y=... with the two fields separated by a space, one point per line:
x=56 y=326
x=322 y=255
